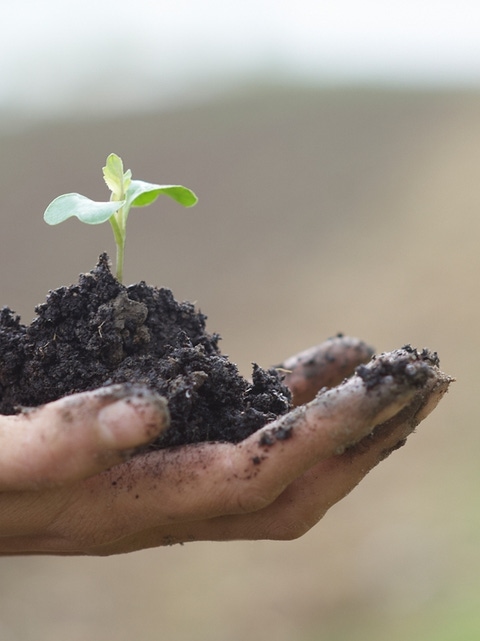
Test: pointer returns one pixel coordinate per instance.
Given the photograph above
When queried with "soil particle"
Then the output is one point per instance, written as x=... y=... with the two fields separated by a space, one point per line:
x=409 y=365
x=281 y=433
x=99 y=333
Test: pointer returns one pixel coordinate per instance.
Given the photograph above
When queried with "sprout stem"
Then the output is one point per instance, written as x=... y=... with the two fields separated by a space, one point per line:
x=119 y=235
x=120 y=256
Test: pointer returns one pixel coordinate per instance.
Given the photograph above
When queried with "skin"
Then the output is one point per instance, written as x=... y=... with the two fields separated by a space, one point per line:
x=74 y=479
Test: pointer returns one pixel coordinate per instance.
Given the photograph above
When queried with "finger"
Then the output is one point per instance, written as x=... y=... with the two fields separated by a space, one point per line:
x=77 y=436
x=324 y=365
x=306 y=500
x=220 y=491
x=347 y=470
x=209 y=480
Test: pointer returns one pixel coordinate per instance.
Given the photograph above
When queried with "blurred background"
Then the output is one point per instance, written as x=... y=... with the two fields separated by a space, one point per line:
x=335 y=148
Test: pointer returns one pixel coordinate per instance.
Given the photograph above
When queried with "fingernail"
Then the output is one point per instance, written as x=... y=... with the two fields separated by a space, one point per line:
x=133 y=420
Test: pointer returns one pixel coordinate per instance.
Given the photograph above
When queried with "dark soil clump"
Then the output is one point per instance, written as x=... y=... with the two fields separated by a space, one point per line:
x=99 y=332
x=400 y=368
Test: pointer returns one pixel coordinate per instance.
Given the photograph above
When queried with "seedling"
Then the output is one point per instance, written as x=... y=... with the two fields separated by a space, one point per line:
x=126 y=193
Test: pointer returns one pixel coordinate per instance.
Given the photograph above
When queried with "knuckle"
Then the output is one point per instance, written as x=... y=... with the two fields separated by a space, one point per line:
x=252 y=499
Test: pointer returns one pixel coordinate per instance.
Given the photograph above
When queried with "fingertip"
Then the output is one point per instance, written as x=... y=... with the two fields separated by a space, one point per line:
x=133 y=420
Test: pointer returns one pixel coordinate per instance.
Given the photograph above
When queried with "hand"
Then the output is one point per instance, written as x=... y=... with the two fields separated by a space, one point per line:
x=65 y=490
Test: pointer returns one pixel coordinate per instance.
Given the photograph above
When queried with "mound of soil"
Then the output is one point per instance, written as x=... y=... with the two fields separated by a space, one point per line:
x=99 y=332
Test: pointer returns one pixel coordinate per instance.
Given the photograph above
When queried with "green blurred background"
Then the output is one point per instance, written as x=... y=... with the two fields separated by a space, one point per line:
x=322 y=209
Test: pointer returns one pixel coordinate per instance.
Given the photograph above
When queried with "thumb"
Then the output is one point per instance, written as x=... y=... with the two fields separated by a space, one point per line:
x=78 y=436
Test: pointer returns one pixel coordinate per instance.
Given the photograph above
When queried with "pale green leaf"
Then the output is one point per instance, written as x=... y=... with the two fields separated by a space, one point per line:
x=86 y=210
x=127 y=179
x=114 y=176
x=142 y=193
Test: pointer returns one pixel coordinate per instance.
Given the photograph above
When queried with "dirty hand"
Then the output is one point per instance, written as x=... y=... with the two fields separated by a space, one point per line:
x=72 y=481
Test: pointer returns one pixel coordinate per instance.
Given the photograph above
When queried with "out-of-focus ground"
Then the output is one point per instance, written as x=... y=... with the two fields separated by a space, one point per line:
x=320 y=211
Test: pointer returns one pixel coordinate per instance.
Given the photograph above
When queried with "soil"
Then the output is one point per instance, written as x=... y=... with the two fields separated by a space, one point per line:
x=100 y=332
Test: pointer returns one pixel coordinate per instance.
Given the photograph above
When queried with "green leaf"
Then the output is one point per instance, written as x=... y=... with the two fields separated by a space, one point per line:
x=114 y=177
x=141 y=194
x=127 y=179
x=86 y=210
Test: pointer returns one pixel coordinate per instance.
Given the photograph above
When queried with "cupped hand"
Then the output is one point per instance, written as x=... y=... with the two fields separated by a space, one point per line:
x=74 y=480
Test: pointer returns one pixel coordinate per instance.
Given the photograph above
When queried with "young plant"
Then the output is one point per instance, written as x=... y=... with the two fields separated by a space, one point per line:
x=126 y=193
